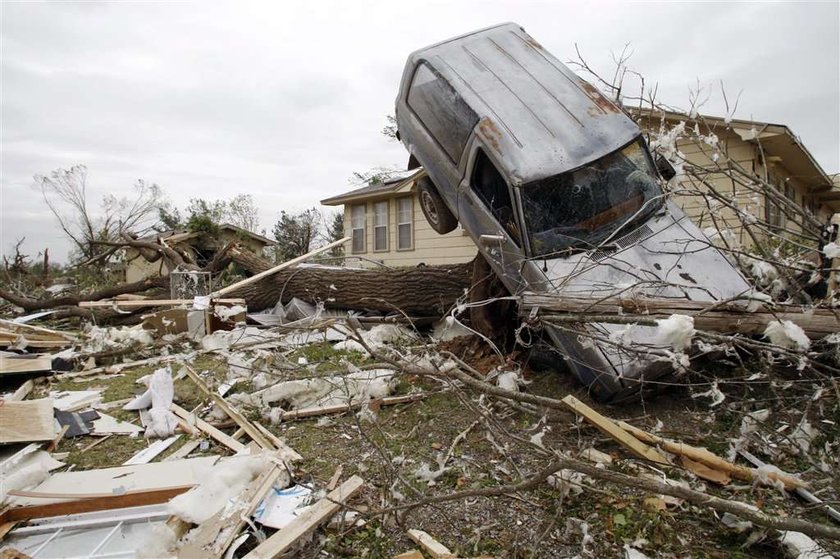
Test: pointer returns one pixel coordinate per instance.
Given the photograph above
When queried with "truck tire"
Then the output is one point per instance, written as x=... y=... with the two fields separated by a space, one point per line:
x=434 y=208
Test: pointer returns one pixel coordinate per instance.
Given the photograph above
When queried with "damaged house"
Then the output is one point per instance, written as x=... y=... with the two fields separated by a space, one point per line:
x=195 y=246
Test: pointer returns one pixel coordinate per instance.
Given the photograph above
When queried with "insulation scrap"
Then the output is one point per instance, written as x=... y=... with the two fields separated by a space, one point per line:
x=220 y=483
x=355 y=387
x=377 y=337
x=162 y=422
x=786 y=334
x=676 y=331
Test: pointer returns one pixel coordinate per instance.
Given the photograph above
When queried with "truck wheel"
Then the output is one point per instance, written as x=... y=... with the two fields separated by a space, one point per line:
x=435 y=210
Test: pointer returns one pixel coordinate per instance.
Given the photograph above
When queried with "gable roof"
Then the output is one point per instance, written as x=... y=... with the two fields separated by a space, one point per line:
x=374 y=191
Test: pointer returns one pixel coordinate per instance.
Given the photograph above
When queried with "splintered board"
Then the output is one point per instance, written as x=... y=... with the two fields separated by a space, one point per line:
x=27 y=421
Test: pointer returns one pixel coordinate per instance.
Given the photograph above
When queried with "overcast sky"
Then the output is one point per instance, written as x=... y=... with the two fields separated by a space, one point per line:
x=286 y=100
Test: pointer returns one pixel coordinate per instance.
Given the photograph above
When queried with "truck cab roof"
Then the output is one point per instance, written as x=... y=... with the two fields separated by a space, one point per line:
x=538 y=117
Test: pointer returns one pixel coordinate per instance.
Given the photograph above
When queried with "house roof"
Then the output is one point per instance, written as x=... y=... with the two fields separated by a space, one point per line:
x=175 y=236
x=375 y=191
x=777 y=141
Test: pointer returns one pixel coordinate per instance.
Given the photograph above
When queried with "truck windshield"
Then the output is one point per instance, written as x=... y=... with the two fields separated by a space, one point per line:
x=581 y=208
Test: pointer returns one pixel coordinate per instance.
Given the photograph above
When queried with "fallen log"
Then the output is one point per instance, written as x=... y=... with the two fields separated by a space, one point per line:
x=730 y=317
x=427 y=290
x=29 y=304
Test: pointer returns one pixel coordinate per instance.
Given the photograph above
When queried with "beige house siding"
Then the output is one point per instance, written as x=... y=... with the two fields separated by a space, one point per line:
x=138 y=268
x=428 y=247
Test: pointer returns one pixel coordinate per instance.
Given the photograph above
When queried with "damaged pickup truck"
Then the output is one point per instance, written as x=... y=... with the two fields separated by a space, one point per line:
x=556 y=186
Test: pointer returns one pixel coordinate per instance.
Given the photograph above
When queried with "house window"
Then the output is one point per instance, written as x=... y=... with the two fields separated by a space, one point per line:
x=405 y=211
x=448 y=118
x=773 y=214
x=380 y=226
x=357 y=222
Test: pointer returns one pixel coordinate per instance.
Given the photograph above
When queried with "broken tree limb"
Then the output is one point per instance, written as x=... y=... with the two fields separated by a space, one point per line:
x=712 y=316
x=29 y=304
x=279 y=267
x=710 y=459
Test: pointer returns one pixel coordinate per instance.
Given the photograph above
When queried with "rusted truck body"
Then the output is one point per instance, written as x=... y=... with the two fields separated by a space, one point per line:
x=557 y=187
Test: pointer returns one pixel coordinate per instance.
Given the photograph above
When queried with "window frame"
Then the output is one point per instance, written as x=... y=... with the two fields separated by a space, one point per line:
x=376 y=205
x=410 y=222
x=363 y=229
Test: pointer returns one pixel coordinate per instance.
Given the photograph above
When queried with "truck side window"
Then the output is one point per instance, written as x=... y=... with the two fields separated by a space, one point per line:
x=442 y=111
x=492 y=189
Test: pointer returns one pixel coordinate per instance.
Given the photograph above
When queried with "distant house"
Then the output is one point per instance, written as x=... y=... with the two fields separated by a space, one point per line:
x=769 y=151
x=141 y=264
x=388 y=226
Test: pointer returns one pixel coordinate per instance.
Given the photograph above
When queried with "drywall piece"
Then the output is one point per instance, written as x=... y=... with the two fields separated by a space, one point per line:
x=316 y=515
x=281 y=506
x=109 y=425
x=20 y=364
x=27 y=421
x=120 y=479
x=74 y=400
x=150 y=452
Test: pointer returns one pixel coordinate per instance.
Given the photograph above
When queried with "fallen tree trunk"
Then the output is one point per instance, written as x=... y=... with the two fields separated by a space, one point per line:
x=711 y=316
x=428 y=290
x=28 y=304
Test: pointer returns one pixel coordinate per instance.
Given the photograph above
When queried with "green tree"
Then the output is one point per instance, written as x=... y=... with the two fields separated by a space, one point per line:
x=296 y=233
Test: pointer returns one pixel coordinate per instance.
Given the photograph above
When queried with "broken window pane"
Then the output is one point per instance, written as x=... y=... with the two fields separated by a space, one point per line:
x=357 y=218
x=493 y=190
x=404 y=221
x=441 y=110
x=581 y=208
x=380 y=226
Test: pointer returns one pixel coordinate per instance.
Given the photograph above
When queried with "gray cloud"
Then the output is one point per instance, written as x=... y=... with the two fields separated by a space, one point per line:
x=286 y=100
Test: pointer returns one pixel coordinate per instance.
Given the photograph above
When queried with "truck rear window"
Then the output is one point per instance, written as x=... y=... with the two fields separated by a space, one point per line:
x=442 y=111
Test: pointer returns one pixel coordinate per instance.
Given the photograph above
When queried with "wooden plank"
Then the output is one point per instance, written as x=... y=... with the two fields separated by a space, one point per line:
x=413 y=554
x=135 y=303
x=27 y=421
x=233 y=413
x=287 y=452
x=433 y=547
x=708 y=458
x=214 y=536
x=708 y=315
x=274 y=270
x=109 y=502
x=308 y=521
x=184 y=450
x=80 y=496
x=152 y=451
x=205 y=427
x=29 y=328
x=22 y=391
x=19 y=364
x=611 y=429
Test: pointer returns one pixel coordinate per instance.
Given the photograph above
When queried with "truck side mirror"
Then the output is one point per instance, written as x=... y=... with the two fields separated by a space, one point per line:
x=666 y=170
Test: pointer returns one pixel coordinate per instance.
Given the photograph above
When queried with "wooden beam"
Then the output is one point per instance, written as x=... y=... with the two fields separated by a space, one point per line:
x=134 y=303
x=274 y=270
x=708 y=315
x=184 y=450
x=341 y=408
x=233 y=413
x=282 y=540
x=22 y=392
x=611 y=429
x=109 y=502
x=202 y=425
x=433 y=547
x=29 y=328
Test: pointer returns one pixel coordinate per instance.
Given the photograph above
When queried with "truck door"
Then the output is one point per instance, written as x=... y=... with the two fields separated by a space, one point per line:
x=487 y=211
